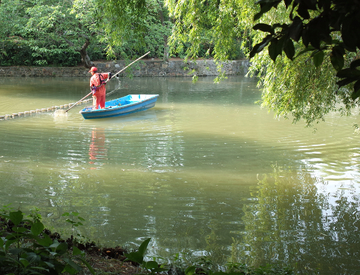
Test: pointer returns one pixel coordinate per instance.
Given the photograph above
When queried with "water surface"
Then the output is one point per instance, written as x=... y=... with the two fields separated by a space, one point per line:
x=205 y=172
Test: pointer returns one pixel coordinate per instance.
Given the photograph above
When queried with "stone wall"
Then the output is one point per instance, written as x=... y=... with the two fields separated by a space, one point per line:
x=141 y=68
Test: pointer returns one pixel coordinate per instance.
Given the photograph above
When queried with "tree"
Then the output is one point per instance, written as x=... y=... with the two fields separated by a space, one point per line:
x=59 y=27
x=53 y=31
x=13 y=16
x=316 y=38
x=135 y=26
x=220 y=24
x=325 y=27
x=59 y=32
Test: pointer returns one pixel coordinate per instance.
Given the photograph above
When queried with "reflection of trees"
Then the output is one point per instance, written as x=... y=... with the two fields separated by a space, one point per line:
x=289 y=222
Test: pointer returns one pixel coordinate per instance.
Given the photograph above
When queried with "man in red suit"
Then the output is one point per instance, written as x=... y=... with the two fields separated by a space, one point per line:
x=98 y=87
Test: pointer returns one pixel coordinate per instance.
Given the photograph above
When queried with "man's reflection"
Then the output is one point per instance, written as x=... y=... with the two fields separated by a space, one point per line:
x=97 y=149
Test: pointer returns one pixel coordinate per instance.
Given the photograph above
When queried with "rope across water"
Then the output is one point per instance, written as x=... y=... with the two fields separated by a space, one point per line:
x=46 y=110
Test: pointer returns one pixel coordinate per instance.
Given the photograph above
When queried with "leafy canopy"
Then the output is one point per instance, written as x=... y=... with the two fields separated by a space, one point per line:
x=219 y=24
x=324 y=27
x=306 y=44
x=133 y=27
x=52 y=31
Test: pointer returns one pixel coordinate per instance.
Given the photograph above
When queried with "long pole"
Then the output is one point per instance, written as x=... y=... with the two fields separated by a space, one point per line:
x=109 y=80
x=129 y=65
x=78 y=102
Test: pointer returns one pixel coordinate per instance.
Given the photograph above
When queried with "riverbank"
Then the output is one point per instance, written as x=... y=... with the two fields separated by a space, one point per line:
x=145 y=67
x=29 y=248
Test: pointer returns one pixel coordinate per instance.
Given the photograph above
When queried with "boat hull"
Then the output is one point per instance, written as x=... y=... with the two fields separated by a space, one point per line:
x=122 y=106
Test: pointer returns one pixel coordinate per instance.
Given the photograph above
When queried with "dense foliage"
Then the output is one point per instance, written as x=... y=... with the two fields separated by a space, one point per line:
x=214 y=28
x=326 y=29
x=44 y=33
x=27 y=248
x=298 y=80
x=307 y=43
x=67 y=32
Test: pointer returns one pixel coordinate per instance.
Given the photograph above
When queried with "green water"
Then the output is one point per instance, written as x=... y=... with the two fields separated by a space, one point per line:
x=206 y=172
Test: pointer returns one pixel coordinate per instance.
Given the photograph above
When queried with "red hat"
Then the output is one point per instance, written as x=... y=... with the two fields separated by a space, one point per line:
x=93 y=69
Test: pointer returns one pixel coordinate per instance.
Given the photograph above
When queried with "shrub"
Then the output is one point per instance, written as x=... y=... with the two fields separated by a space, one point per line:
x=26 y=248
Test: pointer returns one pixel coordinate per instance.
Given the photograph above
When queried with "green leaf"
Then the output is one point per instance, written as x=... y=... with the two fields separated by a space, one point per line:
x=281 y=43
x=138 y=256
x=265 y=5
x=260 y=46
x=318 y=58
x=16 y=217
x=264 y=28
x=347 y=33
x=16 y=251
x=32 y=257
x=70 y=270
x=190 y=270
x=306 y=50
x=20 y=229
x=289 y=49
x=346 y=81
x=305 y=36
x=71 y=266
x=337 y=59
x=70 y=221
x=354 y=64
x=45 y=241
x=76 y=251
x=9 y=242
x=62 y=248
x=345 y=73
x=302 y=11
x=274 y=49
x=143 y=246
x=88 y=266
x=295 y=29
x=37 y=228
x=151 y=265
x=314 y=38
x=24 y=262
x=42 y=269
x=135 y=257
x=356 y=92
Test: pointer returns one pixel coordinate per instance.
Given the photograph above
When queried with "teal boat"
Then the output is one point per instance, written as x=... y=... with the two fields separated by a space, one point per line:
x=122 y=106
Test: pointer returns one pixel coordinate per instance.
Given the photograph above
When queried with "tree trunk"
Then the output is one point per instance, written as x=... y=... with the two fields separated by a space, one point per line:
x=83 y=53
x=84 y=56
x=165 y=37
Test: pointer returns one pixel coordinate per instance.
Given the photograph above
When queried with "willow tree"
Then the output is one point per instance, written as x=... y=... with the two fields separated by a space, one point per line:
x=135 y=26
x=297 y=59
x=311 y=58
